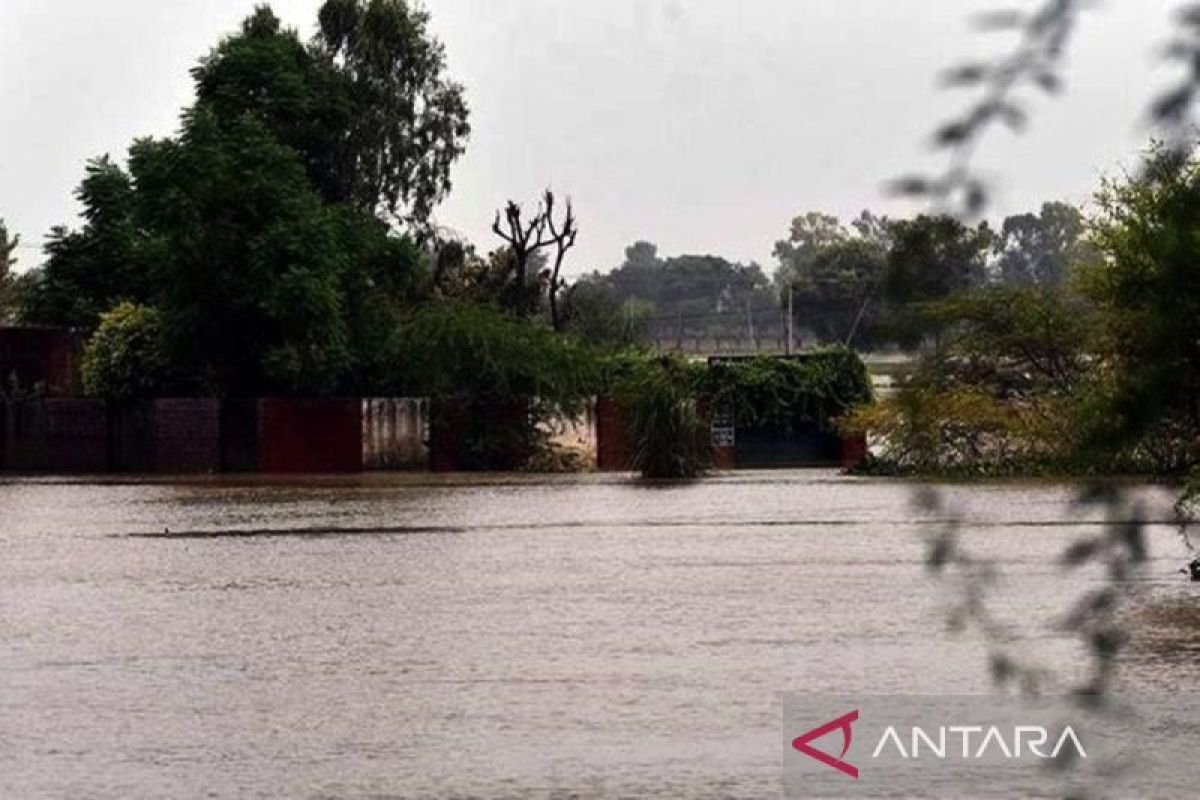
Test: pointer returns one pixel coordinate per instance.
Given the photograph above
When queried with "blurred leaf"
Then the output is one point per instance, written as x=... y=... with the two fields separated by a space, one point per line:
x=911 y=186
x=1189 y=16
x=953 y=133
x=1179 y=50
x=941 y=551
x=1091 y=606
x=1003 y=669
x=1107 y=643
x=965 y=75
x=1173 y=106
x=976 y=197
x=1012 y=115
x=1133 y=536
x=1049 y=82
x=1081 y=552
x=1004 y=19
x=1096 y=494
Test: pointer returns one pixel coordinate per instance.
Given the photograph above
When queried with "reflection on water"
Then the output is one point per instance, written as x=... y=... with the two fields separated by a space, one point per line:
x=496 y=637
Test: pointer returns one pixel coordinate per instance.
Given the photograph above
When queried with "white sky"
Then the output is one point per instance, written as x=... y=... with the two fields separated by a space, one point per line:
x=701 y=125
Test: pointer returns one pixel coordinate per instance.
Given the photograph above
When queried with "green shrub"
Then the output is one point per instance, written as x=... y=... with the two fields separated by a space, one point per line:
x=126 y=358
x=670 y=434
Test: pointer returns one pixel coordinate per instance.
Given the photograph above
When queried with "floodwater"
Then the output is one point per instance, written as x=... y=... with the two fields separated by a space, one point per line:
x=412 y=637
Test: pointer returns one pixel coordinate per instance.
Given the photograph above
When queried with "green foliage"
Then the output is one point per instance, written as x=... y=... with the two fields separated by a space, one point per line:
x=669 y=401
x=298 y=94
x=834 y=274
x=1016 y=341
x=703 y=294
x=593 y=315
x=126 y=357
x=261 y=231
x=443 y=350
x=87 y=272
x=931 y=258
x=670 y=434
x=1095 y=371
x=1148 y=288
x=497 y=379
x=252 y=261
x=964 y=431
x=408 y=122
x=367 y=105
x=785 y=394
x=1005 y=393
x=1040 y=249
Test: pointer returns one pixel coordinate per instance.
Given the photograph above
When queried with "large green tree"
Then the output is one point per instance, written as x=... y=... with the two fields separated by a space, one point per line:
x=408 y=122
x=274 y=269
x=252 y=262
x=1148 y=287
x=833 y=273
x=700 y=288
x=88 y=271
x=930 y=259
x=1039 y=249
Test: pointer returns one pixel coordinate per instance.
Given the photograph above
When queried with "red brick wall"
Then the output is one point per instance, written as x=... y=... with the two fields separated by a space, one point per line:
x=46 y=356
x=76 y=435
x=854 y=451
x=613 y=452
x=239 y=421
x=724 y=457
x=310 y=435
x=25 y=436
x=187 y=435
x=448 y=434
x=57 y=435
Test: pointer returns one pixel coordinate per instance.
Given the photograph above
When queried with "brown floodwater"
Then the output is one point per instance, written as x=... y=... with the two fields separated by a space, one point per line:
x=520 y=637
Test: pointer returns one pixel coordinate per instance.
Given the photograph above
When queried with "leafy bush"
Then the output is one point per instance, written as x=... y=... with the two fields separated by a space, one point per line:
x=669 y=401
x=963 y=431
x=126 y=357
x=498 y=378
x=784 y=394
x=670 y=434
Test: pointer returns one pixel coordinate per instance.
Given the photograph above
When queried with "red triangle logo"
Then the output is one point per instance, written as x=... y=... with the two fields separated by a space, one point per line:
x=844 y=724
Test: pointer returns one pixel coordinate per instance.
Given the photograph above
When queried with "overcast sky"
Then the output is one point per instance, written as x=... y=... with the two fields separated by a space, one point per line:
x=701 y=125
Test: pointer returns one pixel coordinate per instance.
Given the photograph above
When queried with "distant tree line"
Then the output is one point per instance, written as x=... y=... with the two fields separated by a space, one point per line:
x=861 y=284
x=1079 y=354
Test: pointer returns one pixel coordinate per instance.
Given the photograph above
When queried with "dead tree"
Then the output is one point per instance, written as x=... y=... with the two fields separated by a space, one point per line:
x=526 y=237
x=564 y=239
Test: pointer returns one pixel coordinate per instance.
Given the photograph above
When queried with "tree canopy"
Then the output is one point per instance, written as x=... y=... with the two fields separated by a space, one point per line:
x=264 y=232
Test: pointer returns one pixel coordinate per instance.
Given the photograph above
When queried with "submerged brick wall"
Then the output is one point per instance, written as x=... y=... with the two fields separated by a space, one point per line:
x=25 y=447
x=76 y=435
x=55 y=435
x=449 y=420
x=187 y=435
x=48 y=358
x=613 y=452
x=310 y=435
x=131 y=436
x=477 y=434
x=239 y=435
